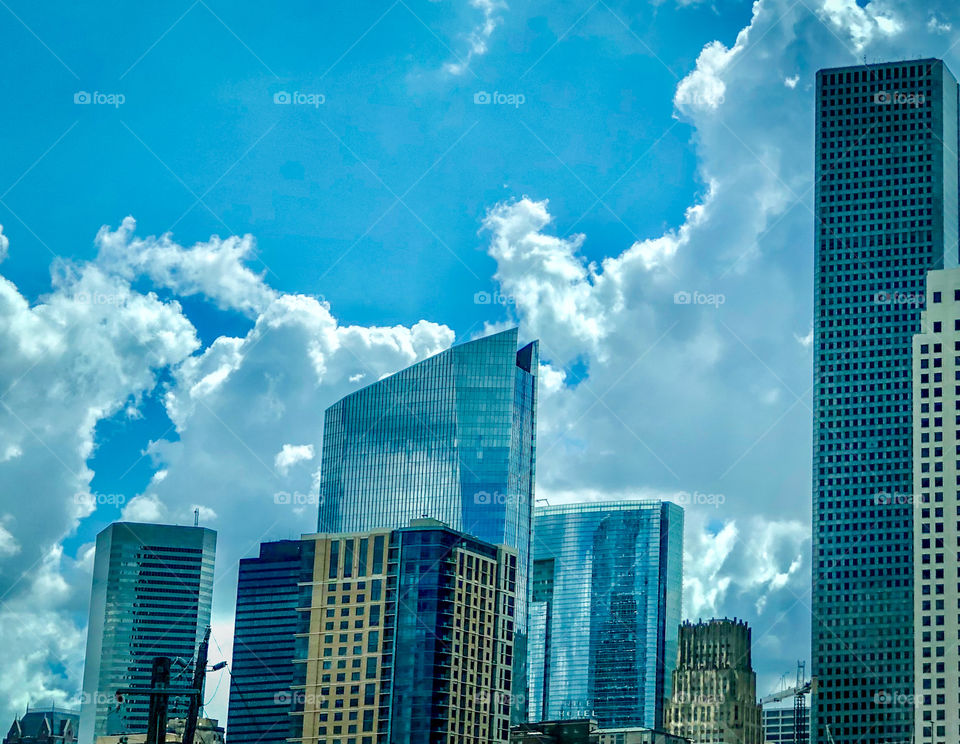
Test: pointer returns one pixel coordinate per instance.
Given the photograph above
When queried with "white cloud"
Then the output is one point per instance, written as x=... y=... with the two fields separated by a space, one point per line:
x=937 y=26
x=216 y=269
x=145 y=508
x=791 y=82
x=479 y=36
x=290 y=455
x=4 y=244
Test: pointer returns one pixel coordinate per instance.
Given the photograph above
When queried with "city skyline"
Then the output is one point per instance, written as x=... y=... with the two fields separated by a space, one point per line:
x=629 y=183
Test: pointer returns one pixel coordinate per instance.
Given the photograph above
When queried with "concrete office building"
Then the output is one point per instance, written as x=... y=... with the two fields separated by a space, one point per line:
x=886 y=213
x=936 y=507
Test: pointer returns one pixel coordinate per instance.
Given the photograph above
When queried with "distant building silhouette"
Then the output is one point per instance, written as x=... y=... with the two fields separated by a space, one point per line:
x=39 y=725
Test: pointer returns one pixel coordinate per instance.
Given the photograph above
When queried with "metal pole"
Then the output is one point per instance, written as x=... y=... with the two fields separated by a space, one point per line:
x=157 y=720
x=199 y=674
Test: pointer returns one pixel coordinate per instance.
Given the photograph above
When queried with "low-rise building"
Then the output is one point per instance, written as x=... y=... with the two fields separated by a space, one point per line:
x=44 y=725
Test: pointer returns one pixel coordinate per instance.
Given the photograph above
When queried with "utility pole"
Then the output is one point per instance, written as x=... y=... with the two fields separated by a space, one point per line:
x=159 y=693
x=159 y=684
x=199 y=674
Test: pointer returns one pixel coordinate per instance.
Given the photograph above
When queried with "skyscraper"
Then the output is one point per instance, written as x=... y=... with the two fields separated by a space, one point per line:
x=714 y=696
x=261 y=672
x=452 y=438
x=406 y=637
x=936 y=504
x=886 y=212
x=151 y=596
x=607 y=586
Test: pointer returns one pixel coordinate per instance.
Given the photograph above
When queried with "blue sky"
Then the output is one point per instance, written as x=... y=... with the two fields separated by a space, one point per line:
x=661 y=151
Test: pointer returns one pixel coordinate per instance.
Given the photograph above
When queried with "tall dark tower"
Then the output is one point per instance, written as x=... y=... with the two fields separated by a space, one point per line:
x=886 y=213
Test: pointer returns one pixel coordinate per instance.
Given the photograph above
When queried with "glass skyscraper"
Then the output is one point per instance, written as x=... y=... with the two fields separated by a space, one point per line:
x=886 y=213
x=607 y=588
x=152 y=591
x=452 y=438
x=261 y=672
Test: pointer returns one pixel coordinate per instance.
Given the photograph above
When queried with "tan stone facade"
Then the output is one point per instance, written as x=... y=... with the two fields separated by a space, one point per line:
x=714 y=697
x=341 y=695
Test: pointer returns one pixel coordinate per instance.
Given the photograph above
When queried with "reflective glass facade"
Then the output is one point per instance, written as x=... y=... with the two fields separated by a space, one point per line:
x=152 y=590
x=606 y=591
x=261 y=671
x=886 y=213
x=452 y=438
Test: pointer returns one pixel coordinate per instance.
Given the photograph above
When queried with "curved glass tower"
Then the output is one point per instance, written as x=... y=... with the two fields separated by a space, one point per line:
x=607 y=585
x=452 y=438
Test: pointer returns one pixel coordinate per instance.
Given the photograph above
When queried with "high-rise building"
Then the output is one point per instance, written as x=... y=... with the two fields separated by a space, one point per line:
x=151 y=596
x=886 y=213
x=452 y=438
x=606 y=595
x=714 y=696
x=936 y=505
x=406 y=637
x=261 y=672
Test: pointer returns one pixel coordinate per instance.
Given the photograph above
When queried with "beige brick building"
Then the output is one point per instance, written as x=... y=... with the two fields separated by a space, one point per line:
x=406 y=636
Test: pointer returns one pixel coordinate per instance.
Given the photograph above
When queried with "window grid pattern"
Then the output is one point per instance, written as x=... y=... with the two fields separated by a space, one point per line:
x=886 y=207
x=936 y=505
x=261 y=670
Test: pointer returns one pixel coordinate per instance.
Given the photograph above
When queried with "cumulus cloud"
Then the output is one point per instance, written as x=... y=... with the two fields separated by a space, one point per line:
x=290 y=455
x=4 y=244
x=217 y=269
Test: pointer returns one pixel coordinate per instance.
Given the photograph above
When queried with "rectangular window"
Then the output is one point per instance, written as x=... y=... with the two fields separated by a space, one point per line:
x=347 y=558
x=334 y=559
x=362 y=558
x=378 y=554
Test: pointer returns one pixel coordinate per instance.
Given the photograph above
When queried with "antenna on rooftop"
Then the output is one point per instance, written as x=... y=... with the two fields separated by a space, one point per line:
x=196 y=517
